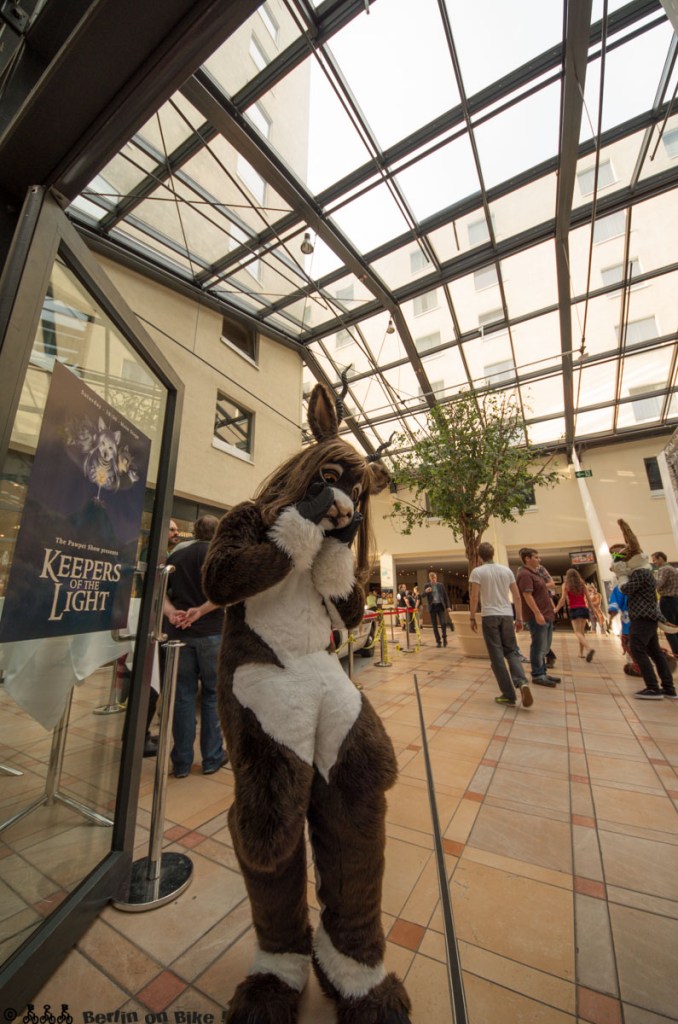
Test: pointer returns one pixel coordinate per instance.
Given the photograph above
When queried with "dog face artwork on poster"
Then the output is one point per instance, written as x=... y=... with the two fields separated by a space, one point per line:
x=305 y=745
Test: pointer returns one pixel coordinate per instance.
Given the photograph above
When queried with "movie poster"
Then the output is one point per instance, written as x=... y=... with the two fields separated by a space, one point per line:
x=76 y=548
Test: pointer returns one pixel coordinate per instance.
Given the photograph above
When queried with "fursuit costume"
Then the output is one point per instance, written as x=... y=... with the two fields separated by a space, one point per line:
x=305 y=745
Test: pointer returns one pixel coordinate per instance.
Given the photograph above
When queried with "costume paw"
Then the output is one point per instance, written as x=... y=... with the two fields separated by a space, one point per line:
x=263 y=999
x=297 y=536
x=333 y=571
x=386 y=1003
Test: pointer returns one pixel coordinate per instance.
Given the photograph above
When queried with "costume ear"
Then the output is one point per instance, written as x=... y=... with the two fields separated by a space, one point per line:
x=632 y=542
x=322 y=414
x=379 y=477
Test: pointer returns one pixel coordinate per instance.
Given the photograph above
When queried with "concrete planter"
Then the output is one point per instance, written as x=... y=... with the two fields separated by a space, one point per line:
x=471 y=644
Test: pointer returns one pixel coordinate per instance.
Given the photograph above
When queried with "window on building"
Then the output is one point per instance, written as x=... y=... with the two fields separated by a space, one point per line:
x=241 y=337
x=492 y=316
x=251 y=178
x=478 y=231
x=609 y=227
x=343 y=338
x=528 y=491
x=424 y=303
x=269 y=21
x=497 y=373
x=485 y=278
x=233 y=426
x=345 y=295
x=670 y=140
x=615 y=274
x=649 y=408
x=654 y=477
x=437 y=389
x=427 y=341
x=257 y=53
x=418 y=261
x=260 y=119
x=586 y=178
x=639 y=330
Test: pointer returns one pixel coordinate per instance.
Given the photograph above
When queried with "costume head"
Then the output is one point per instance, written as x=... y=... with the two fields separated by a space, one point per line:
x=332 y=462
x=629 y=557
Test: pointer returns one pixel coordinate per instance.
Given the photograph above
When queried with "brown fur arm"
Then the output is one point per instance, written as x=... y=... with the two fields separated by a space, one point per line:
x=241 y=560
x=352 y=608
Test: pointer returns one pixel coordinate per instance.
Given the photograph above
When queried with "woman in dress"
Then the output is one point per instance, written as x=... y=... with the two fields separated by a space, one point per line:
x=575 y=595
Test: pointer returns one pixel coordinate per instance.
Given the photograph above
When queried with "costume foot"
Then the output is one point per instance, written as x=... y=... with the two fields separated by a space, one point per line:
x=386 y=1003
x=263 y=999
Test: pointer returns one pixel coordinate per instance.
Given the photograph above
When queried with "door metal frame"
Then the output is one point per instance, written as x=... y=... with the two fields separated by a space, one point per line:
x=43 y=231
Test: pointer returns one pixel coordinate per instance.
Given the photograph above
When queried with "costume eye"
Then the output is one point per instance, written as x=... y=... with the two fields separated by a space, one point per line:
x=331 y=474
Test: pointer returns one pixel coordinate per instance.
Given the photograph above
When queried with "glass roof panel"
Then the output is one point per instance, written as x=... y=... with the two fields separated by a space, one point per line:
x=631 y=79
x=475 y=296
x=662 y=154
x=264 y=35
x=536 y=343
x=375 y=54
x=595 y=384
x=546 y=431
x=543 y=397
x=493 y=37
x=520 y=137
x=446 y=371
x=371 y=219
x=538 y=266
x=597 y=421
x=524 y=208
x=427 y=314
x=171 y=125
x=440 y=179
x=403 y=265
x=587 y=262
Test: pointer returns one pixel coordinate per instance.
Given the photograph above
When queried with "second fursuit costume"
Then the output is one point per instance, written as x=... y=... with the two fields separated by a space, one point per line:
x=305 y=745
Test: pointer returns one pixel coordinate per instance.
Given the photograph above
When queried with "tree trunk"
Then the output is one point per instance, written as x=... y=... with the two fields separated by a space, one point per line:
x=471 y=543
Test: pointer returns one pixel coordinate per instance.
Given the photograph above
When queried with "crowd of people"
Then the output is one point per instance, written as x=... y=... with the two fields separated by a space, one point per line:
x=642 y=599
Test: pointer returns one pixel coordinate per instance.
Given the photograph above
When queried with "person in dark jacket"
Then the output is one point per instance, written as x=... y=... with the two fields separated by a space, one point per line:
x=198 y=623
x=438 y=604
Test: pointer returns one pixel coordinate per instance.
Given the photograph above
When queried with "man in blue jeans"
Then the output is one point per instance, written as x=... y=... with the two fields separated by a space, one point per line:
x=194 y=620
x=538 y=614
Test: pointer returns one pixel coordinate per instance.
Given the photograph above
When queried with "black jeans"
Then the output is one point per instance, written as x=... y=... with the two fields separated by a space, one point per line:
x=438 y=615
x=500 y=639
x=644 y=645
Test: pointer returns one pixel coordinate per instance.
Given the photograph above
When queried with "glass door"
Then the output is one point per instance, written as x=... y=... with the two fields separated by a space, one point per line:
x=88 y=409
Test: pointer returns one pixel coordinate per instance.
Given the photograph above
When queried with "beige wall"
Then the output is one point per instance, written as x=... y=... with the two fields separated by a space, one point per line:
x=189 y=336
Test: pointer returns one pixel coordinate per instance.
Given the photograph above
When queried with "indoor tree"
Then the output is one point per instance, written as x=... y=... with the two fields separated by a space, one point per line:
x=470 y=465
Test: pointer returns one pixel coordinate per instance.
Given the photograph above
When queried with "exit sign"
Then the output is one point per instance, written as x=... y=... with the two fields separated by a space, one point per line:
x=583 y=472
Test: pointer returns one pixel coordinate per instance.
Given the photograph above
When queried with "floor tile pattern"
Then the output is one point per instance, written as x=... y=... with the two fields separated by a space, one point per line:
x=560 y=837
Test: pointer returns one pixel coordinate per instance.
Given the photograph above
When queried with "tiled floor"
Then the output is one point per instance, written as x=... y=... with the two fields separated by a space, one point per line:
x=560 y=831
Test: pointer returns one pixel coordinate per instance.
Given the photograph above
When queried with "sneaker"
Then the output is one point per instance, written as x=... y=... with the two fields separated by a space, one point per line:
x=552 y=679
x=505 y=700
x=177 y=773
x=542 y=681
x=670 y=694
x=222 y=764
x=589 y=656
x=444 y=643
x=438 y=645
x=649 y=694
x=524 y=660
x=526 y=695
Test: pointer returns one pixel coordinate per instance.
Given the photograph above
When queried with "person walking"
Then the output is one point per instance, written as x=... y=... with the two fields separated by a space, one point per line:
x=636 y=580
x=538 y=615
x=574 y=596
x=438 y=604
x=492 y=584
x=198 y=624
x=667 y=587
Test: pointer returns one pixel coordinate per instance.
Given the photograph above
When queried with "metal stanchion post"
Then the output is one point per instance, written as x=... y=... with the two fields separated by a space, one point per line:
x=159 y=877
x=408 y=620
x=383 y=652
x=350 y=657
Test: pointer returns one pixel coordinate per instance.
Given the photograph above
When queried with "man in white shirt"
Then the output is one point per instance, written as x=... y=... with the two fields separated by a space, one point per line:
x=493 y=583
